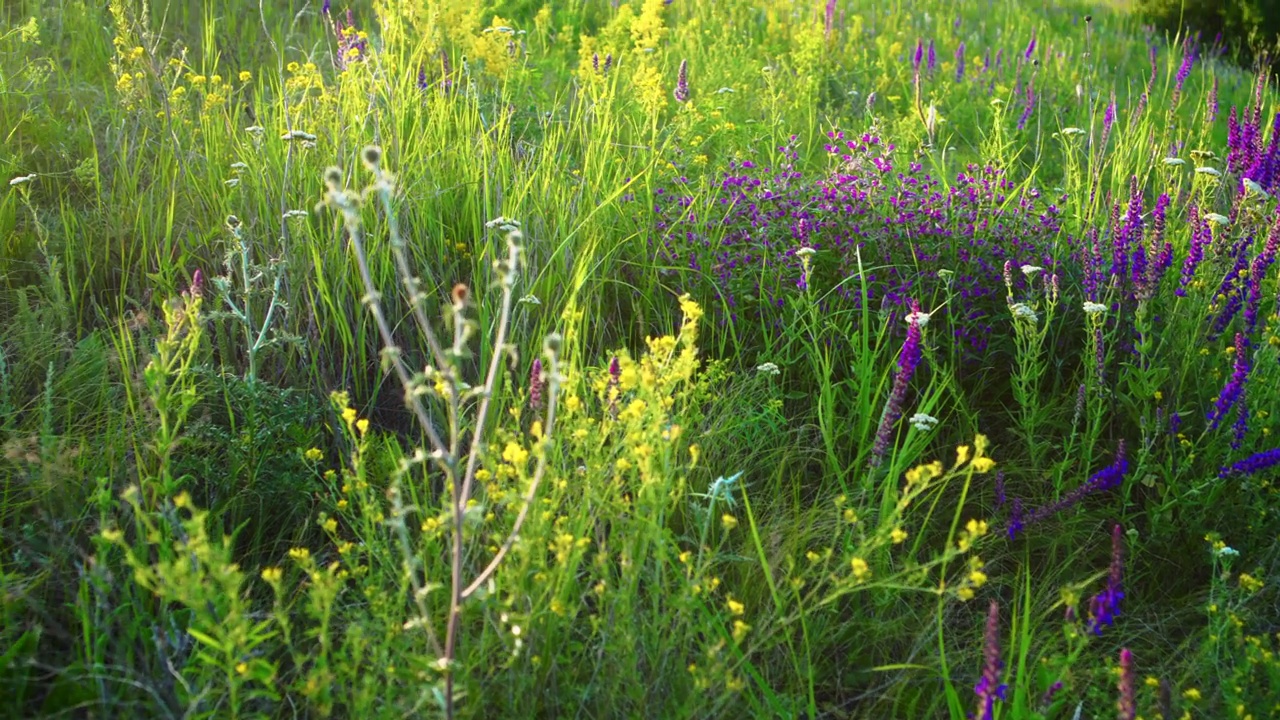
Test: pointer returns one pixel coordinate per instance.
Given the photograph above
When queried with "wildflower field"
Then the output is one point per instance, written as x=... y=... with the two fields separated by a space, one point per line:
x=647 y=359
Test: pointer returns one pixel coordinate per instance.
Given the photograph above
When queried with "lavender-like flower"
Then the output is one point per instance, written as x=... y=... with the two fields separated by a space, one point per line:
x=1128 y=703
x=829 y=18
x=1256 y=462
x=682 y=82
x=197 y=283
x=1031 y=47
x=908 y=360
x=1234 y=389
x=1212 y=100
x=933 y=58
x=1030 y=105
x=1105 y=479
x=918 y=57
x=1047 y=699
x=1184 y=70
x=960 y=62
x=1104 y=606
x=535 y=386
x=1201 y=237
x=989 y=688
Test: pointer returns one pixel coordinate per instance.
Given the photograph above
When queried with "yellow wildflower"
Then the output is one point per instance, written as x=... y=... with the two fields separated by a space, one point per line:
x=728 y=521
x=861 y=570
x=898 y=536
x=314 y=454
x=245 y=76
x=735 y=607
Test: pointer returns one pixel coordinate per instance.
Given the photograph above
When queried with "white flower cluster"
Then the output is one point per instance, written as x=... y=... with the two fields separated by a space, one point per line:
x=923 y=422
x=918 y=317
x=768 y=369
x=1093 y=308
x=1024 y=311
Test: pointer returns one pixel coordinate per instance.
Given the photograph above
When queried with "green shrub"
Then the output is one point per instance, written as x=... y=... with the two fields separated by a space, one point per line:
x=1247 y=27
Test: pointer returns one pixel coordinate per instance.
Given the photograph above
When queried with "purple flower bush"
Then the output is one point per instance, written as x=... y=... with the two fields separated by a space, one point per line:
x=911 y=234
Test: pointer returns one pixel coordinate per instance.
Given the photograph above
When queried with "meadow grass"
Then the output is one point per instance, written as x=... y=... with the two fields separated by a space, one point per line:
x=647 y=359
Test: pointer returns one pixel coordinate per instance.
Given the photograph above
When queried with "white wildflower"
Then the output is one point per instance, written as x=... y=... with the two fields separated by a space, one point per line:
x=919 y=317
x=530 y=300
x=22 y=180
x=1227 y=551
x=1072 y=131
x=1031 y=270
x=724 y=90
x=1174 y=161
x=1255 y=188
x=946 y=274
x=239 y=166
x=1024 y=312
x=232 y=182
x=298 y=135
x=1217 y=218
x=1210 y=171
x=768 y=368
x=255 y=130
x=806 y=252
x=1093 y=308
x=923 y=422
x=290 y=215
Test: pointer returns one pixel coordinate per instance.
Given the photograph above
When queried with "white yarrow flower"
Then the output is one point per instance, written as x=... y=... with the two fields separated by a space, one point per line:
x=290 y=215
x=232 y=182
x=1024 y=311
x=923 y=422
x=1093 y=308
x=805 y=252
x=1210 y=171
x=298 y=135
x=1072 y=131
x=1174 y=161
x=1031 y=270
x=1217 y=218
x=1227 y=550
x=530 y=300
x=768 y=368
x=1255 y=188
x=239 y=166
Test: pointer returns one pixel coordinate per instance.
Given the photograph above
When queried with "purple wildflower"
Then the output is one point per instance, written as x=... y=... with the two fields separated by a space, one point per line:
x=933 y=59
x=197 y=283
x=1107 y=478
x=1256 y=462
x=1188 y=60
x=908 y=360
x=1104 y=606
x=999 y=487
x=1047 y=699
x=829 y=18
x=1031 y=47
x=1212 y=100
x=682 y=82
x=324 y=9
x=918 y=57
x=535 y=386
x=1201 y=237
x=960 y=62
x=1234 y=388
x=989 y=688
x=1127 y=704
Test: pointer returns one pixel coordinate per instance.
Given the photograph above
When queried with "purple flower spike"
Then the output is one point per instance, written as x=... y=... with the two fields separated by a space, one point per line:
x=933 y=58
x=1234 y=389
x=1254 y=463
x=535 y=386
x=1031 y=47
x=1127 y=704
x=918 y=57
x=682 y=82
x=960 y=62
x=1104 y=606
x=908 y=360
x=989 y=688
